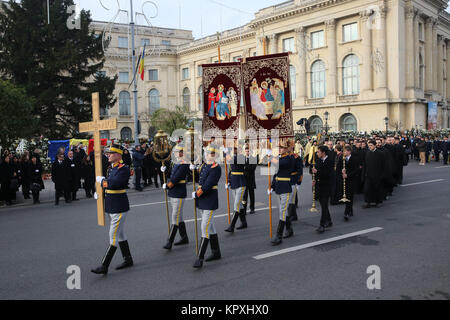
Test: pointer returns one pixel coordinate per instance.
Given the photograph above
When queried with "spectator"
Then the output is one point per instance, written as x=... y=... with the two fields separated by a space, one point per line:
x=138 y=159
x=74 y=169
x=60 y=177
x=421 y=148
x=88 y=175
x=8 y=178
x=35 y=174
x=24 y=174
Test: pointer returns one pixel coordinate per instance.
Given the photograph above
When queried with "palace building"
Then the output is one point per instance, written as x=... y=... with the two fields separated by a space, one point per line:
x=358 y=61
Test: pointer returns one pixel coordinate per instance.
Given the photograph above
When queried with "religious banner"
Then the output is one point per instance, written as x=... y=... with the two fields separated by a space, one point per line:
x=267 y=94
x=432 y=115
x=221 y=99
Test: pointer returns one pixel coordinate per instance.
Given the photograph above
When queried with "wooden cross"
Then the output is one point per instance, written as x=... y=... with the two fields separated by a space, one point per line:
x=96 y=126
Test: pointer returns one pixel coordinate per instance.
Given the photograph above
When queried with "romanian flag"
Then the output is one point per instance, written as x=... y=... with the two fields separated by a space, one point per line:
x=141 y=65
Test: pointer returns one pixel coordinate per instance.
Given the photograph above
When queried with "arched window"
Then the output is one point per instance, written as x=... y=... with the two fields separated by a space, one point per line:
x=125 y=134
x=292 y=82
x=318 y=79
x=124 y=103
x=421 y=72
x=186 y=98
x=348 y=122
x=315 y=124
x=350 y=73
x=200 y=98
x=153 y=100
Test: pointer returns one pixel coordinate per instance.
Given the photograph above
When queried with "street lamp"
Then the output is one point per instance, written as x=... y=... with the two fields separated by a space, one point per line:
x=386 y=122
x=326 y=115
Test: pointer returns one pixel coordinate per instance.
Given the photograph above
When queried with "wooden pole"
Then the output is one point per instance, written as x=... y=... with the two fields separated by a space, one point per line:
x=228 y=189
x=270 y=195
x=218 y=46
x=165 y=195
x=195 y=214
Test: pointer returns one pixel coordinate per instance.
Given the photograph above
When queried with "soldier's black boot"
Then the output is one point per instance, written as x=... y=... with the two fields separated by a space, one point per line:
x=292 y=212
x=128 y=260
x=289 y=231
x=233 y=222
x=173 y=233
x=215 y=249
x=242 y=215
x=279 y=236
x=184 y=237
x=201 y=255
x=103 y=269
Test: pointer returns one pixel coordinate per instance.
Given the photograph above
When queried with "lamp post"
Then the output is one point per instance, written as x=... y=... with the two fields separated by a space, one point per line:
x=326 y=115
x=386 y=122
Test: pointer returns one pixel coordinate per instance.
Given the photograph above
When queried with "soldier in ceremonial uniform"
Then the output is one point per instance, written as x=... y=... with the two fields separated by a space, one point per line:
x=177 y=193
x=281 y=184
x=323 y=175
x=237 y=183
x=117 y=206
x=207 y=200
x=296 y=181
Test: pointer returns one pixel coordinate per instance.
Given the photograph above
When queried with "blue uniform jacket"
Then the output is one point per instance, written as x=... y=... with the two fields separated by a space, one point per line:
x=282 y=180
x=236 y=176
x=209 y=178
x=178 y=178
x=297 y=170
x=117 y=181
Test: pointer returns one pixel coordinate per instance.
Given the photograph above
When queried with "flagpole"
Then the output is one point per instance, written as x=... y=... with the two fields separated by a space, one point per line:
x=133 y=60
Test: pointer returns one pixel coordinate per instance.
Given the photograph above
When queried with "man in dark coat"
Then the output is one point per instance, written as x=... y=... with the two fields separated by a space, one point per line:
x=249 y=173
x=7 y=174
x=138 y=159
x=436 y=149
x=445 y=149
x=60 y=177
x=74 y=168
x=35 y=174
x=374 y=166
x=323 y=179
x=349 y=174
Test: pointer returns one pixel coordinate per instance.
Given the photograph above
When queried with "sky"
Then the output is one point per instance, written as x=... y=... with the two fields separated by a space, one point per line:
x=203 y=17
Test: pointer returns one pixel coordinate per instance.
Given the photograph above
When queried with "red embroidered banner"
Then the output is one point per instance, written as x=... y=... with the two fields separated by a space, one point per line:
x=267 y=94
x=221 y=99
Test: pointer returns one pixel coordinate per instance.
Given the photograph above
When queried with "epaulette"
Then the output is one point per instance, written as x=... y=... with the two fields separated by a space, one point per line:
x=121 y=166
x=214 y=165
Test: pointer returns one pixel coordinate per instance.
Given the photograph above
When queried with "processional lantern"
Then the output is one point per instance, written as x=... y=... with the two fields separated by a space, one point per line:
x=161 y=151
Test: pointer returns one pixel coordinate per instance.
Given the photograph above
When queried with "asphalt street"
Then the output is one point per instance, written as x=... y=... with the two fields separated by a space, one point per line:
x=408 y=238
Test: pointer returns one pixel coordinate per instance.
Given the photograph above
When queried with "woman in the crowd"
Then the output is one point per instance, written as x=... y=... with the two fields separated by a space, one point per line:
x=23 y=174
x=88 y=175
x=8 y=178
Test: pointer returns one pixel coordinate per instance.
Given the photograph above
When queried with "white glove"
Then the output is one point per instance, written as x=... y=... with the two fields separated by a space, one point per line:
x=269 y=192
x=227 y=185
x=164 y=186
x=269 y=152
x=193 y=194
x=95 y=195
x=192 y=167
x=100 y=179
x=163 y=169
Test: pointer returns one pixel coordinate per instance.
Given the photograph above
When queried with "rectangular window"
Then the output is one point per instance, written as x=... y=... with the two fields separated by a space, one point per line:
x=153 y=74
x=123 y=42
x=123 y=77
x=185 y=73
x=200 y=71
x=317 y=39
x=145 y=42
x=288 y=45
x=165 y=42
x=350 y=32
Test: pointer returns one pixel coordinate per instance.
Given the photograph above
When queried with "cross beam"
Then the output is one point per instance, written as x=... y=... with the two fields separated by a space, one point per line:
x=96 y=126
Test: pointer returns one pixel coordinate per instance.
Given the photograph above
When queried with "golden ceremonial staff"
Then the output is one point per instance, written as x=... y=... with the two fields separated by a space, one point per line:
x=313 y=208
x=228 y=190
x=191 y=136
x=162 y=149
x=270 y=194
x=344 y=199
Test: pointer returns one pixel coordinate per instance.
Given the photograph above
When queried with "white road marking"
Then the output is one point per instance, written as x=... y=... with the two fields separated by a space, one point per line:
x=424 y=182
x=442 y=167
x=313 y=244
x=222 y=215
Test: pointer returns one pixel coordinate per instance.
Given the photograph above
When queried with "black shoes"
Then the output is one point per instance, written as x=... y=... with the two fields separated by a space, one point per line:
x=292 y=212
x=201 y=255
x=328 y=225
x=103 y=269
x=128 y=260
x=173 y=233
x=243 y=225
x=215 y=249
x=183 y=234
x=278 y=239
x=233 y=222
x=321 y=229
x=289 y=232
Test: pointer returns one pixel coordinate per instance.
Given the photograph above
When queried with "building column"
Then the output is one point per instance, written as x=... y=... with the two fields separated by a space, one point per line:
x=366 y=33
x=436 y=64
x=416 y=49
x=429 y=54
x=380 y=43
x=273 y=40
x=410 y=52
x=260 y=45
x=440 y=66
x=332 y=60
x=302 y=53
x=448 y=70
